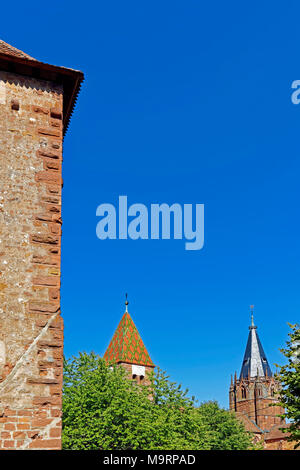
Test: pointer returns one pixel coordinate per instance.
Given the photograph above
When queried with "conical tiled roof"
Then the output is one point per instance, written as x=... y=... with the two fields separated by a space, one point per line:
x=7 y=49
x=255 y=362
x=127 y=345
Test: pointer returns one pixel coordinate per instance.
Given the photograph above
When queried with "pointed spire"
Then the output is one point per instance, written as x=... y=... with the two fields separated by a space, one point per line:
x=235 y=379
x=255 y=363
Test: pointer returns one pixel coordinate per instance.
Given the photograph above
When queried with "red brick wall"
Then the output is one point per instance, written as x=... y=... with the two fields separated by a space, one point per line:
x=145 y=380
x=31 y=328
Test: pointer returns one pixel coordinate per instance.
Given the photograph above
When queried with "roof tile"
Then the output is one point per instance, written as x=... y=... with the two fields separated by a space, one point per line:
x=7 y=49
x=135 y=353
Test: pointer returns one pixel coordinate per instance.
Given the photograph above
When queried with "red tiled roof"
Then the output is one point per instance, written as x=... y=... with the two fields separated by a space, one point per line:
x=7 y=49
x=271 y=434
x=276 y=433
x=127 y=345
x=248 y=423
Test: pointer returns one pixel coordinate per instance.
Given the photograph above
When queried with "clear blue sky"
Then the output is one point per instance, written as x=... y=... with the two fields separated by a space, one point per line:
x=185 y=102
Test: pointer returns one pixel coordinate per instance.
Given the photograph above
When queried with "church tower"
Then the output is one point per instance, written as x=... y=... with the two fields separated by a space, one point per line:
x=127 y=349
x=251 y=395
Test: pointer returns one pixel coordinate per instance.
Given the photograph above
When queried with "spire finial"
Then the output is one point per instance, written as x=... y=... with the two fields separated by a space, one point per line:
x=126 y=303
x=252 y=317
x=251 y=310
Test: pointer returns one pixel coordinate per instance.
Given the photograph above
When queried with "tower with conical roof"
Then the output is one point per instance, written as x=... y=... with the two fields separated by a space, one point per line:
x=255 y=363
x=251 y=395
x=127 y=349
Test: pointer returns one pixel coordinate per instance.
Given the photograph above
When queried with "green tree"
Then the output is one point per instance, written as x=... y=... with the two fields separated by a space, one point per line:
x=289 y=376
x=102 y=409
x=220 y=429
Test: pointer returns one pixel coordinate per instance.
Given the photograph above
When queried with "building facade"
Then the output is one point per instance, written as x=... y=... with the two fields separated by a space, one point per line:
x=36 y=102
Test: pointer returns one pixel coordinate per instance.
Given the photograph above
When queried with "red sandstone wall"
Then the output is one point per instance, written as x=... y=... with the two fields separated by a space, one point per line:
x=256 y=407
x=31 y=328
x=266 y=414
x=279 y=444
x=261 y=411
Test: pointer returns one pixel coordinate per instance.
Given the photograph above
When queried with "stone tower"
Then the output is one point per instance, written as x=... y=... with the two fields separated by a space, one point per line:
x=36 y=102
x=127 y=349
x=251 y=395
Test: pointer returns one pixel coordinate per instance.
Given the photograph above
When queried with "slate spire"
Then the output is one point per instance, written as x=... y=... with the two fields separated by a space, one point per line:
x=255 y=363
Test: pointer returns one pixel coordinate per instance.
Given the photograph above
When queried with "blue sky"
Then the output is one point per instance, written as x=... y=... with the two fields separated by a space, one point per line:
x=185 y=102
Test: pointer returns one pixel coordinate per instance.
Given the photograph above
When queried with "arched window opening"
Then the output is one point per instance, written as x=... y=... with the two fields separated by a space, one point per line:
x=244 y=392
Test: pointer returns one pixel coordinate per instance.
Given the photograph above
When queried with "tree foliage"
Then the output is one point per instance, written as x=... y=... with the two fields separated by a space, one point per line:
x=102 y=409
x=289 y=376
